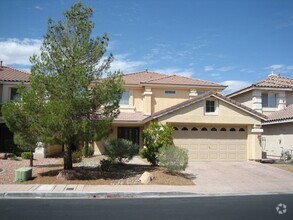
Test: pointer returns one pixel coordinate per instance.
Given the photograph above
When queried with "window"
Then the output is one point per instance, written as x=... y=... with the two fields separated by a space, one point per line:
x=269 y=100
x=223 y=129
x=13 y=94
x=175 y=128
x=241 y=129
x=194 y=129
x=210 y=106
x=232 y=129
x=184 y=129
x=213 y=129
x=125 y=98
x=170 y=92
x=129 y=133
x=204 y=129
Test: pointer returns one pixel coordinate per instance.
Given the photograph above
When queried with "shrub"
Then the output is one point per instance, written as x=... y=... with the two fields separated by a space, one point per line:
x=105 y=164
x=173 y=158
x=155 y=137
x=91 y=150
x=85 y=150
x=120 y=149
x=76 y=157
x=26 y=155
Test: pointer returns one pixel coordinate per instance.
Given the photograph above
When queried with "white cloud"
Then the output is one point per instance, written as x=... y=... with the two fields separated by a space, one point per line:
x=276 y=66
x=39 y=8
x=280 y=68
x=16 y=51
x=234 y=85
x=121 y=62
x=220 y=69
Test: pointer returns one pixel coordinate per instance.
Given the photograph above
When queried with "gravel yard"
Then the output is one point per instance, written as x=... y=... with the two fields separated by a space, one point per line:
x=45 y=171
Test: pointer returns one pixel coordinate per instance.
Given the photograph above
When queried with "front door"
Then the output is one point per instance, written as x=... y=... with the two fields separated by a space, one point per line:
x=129 y=133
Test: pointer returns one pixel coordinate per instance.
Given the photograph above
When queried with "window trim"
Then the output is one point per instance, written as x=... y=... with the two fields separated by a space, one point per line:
x=216 y=107
x=268 y=95
x=124 y=103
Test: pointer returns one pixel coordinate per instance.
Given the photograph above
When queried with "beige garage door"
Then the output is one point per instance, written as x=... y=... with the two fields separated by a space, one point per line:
x=212 y=143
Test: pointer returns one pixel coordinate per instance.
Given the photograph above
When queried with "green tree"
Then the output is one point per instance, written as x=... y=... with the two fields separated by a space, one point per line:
x=78 y=104
x=155 y=137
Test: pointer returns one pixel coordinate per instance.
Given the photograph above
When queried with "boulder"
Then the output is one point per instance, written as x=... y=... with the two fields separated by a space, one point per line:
x=146 y=177
x=67 y=175
x=10 y=155
x=3 y=156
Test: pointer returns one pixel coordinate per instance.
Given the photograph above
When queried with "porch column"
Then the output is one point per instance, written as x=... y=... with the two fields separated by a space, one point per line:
x=147 y=101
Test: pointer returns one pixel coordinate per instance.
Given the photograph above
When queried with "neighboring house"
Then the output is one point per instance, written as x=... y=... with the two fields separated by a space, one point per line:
x=273 y=97
x=10 y=78
x=210 y=125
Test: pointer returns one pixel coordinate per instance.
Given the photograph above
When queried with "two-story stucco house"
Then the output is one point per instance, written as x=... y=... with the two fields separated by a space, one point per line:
x=10 y=78
x=210 y=125
x=273 y=97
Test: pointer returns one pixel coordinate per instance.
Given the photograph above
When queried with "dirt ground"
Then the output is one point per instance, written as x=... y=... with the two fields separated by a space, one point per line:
x=283 y=166
x=46 y=170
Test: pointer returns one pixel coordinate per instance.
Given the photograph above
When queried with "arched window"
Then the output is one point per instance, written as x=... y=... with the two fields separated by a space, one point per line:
x=184 y=129
x=223 y=129
x=241 y=129
x=204 y=129
x=194 y=129
x=232 y=129
x=213 y=129
x=175 y=128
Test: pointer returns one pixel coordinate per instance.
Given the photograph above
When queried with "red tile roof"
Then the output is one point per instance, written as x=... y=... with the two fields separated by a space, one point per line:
x=147 y=78
x=281 y=115
x=9 y=74
x=274 y=81
x=130 y=117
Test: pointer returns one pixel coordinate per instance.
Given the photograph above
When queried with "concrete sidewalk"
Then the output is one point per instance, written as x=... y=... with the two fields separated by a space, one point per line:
x=86 y=191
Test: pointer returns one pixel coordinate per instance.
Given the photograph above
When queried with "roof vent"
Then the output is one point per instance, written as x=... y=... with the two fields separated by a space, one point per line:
x=1 y=63
x=273 y=74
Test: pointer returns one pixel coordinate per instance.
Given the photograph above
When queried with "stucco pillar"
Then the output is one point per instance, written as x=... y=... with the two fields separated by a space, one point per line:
x=193 y=93
x=256 y=101
x=147 y=101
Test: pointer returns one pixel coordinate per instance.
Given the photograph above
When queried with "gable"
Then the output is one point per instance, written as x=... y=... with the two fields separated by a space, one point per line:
x=195 y=113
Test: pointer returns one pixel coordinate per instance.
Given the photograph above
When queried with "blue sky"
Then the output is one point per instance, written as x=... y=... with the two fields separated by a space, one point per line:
x=227 y=41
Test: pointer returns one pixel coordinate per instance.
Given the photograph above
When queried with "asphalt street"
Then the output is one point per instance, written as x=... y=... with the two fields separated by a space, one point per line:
x=214 y=207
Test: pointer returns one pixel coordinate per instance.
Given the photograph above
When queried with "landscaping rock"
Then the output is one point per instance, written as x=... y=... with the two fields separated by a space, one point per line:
x=67 y=175
x=146 y=177
x=3 y=156
x=10 y=155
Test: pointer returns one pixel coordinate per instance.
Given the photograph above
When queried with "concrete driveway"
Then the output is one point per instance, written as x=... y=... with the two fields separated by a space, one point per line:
x=239 y=177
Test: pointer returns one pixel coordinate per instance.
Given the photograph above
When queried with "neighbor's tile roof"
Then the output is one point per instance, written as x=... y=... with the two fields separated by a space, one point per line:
x=202 y=97
x=9 y=74
x=274 y=81
x=148 y=77
x=131 y=117
x=281 y=115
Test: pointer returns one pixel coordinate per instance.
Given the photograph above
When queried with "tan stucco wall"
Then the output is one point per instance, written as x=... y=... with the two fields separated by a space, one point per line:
x=138 y=99
x=244 y=98
x=277 y=136
x=194 y=113
x=161 y=101
x=1 y=91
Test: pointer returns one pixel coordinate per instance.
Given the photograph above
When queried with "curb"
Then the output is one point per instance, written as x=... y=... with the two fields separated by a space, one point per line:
x=93 y=195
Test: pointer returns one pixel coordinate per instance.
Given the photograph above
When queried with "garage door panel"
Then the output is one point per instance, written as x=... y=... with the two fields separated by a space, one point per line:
x=213 y=145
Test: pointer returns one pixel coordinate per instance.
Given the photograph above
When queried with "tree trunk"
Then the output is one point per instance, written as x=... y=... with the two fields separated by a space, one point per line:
x=67 y=157
x=31 y=157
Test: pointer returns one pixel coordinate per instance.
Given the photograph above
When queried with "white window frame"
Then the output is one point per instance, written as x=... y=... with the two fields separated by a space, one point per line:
x=268 y=100
x=216 y=107
x=123 y=100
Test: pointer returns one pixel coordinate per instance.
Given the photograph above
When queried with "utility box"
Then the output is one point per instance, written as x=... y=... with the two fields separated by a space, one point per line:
x=23 y=174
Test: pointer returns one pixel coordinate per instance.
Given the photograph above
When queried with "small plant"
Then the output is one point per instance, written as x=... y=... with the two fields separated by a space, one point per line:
x=76 y=157
x=120 y=149
x=155 y=137
x=26 y=155
x=85 y=150
x=105 y=164
x=15 y=158
x=173 y=158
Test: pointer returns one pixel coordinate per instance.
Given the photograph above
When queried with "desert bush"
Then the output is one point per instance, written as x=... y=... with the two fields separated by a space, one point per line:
x=155 y=137
x=85 y=150
x=76 y=157
x=105 y=164
x=26 y=155
x=120 y=149
x=173 y=158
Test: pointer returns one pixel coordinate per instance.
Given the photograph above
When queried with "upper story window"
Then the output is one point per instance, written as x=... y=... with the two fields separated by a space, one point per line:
x=210 y=106
x=269 y=100
x=170 y=92
x=125 y=98
x=13 y=94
